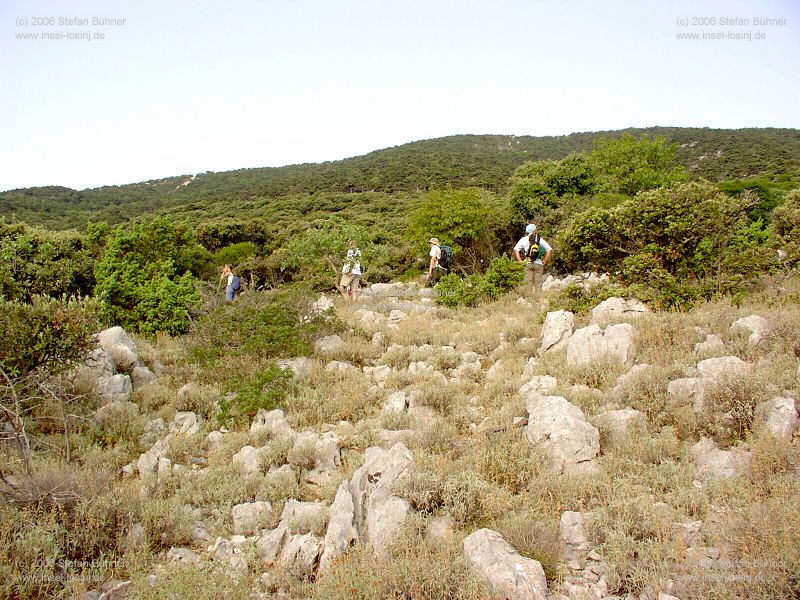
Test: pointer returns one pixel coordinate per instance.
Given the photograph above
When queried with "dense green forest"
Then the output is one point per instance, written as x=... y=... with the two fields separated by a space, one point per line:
x=485 y=161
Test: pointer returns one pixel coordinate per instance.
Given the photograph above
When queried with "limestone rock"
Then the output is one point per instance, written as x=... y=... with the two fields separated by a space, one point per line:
x=589 y=344
x=141 y=377
x=397 y=402
x=273 y=422
x=117 y=388
x=248 y=459
x=249 y=516
x=562 y=430
x=508 y=574
x=341 y=368
x=556 y=330
x=716 y=368
x=183 y=555
x=328 y=344
x=573 y=533
x=322 y=304
x=755 y=327
x=614 y=309
x=777 y=416
x=341 y=531
x=620 y=422
x=539 y=383
x=713 y=462
x=301 y=366
x=186 y=422
x=379 y=515
x=712 y=343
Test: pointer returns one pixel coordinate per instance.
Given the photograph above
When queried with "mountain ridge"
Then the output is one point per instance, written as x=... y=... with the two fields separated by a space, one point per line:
x=466 y=160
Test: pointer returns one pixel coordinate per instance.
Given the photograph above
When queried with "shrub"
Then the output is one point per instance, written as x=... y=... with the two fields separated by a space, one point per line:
x=503 y=276
x=452 y=291
x=417 y=568
x=47 y=334
x=533 y=537
x=264 y=390
x=146 y=278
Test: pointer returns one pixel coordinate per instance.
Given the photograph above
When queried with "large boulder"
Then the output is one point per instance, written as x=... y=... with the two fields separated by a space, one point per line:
x=562 y=430
x=756 y=329
x=301 y=366
x=508 y=574
x=713 y=462
x=589 y=344
x=556 y=330
x=342 y=532
x=117 y=388
x=615 y=309
x=121 y=347
x=777 y=417
x=378 y=514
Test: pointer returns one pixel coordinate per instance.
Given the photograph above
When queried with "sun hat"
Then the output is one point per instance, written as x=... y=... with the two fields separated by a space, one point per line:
x=530 y=229
x=434 y=241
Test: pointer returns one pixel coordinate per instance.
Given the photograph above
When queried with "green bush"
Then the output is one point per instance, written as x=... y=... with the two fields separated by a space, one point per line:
x=36 y=262
x=48 y=334
x=145 y=281
x=236 y=253
x=503 y=276
x=452 y=291
x=264 y=390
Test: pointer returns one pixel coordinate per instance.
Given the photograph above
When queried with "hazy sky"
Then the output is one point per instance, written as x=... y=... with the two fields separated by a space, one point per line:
x=182 y=87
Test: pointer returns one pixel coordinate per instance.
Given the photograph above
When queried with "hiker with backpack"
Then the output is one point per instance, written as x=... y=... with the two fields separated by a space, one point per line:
x=351 y=272
x=536 y=253
x=441 y=261
x=233 y=283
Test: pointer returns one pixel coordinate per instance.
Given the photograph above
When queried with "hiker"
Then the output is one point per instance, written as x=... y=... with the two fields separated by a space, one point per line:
x=233 y=283
x=351 y=272
x=537 y=253
x=435 y=268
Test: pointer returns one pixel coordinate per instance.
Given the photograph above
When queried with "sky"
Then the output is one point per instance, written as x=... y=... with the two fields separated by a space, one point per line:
x=109 y=92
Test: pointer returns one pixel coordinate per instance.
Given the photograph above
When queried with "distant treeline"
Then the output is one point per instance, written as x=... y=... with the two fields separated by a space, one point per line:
x=484 y=161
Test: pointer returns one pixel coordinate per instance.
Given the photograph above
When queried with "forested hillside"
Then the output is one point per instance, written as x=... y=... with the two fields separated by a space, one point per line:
x=485 y=161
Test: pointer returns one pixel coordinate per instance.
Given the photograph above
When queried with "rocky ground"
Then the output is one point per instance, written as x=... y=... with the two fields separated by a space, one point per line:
x=519 y=380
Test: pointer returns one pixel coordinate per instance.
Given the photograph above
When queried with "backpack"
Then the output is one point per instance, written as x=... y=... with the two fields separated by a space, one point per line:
x=447 y=257
x=236 y=284
x=534 y=248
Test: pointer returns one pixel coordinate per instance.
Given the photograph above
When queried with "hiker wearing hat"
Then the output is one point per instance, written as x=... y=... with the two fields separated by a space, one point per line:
x=536 y=253
x=434 y=269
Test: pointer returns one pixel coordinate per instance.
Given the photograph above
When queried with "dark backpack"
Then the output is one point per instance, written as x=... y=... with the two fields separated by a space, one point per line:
x=534 y=248
x=236 y=284
x=447 y=257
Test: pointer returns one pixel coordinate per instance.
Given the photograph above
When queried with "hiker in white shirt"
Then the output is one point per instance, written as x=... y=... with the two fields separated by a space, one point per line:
x=536 y=253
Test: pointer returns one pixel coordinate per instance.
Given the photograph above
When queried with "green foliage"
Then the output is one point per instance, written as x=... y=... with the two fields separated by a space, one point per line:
x=452 y=291
x=38 y=262
x=786 y=227
x=146 y=279
x=317 y=254
x=686 y=241
x=235 y=254
x=470 y=220
x=259 y=325
x=47 y=334
x=630 y=166
x=264 y=390
x=502 y=276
